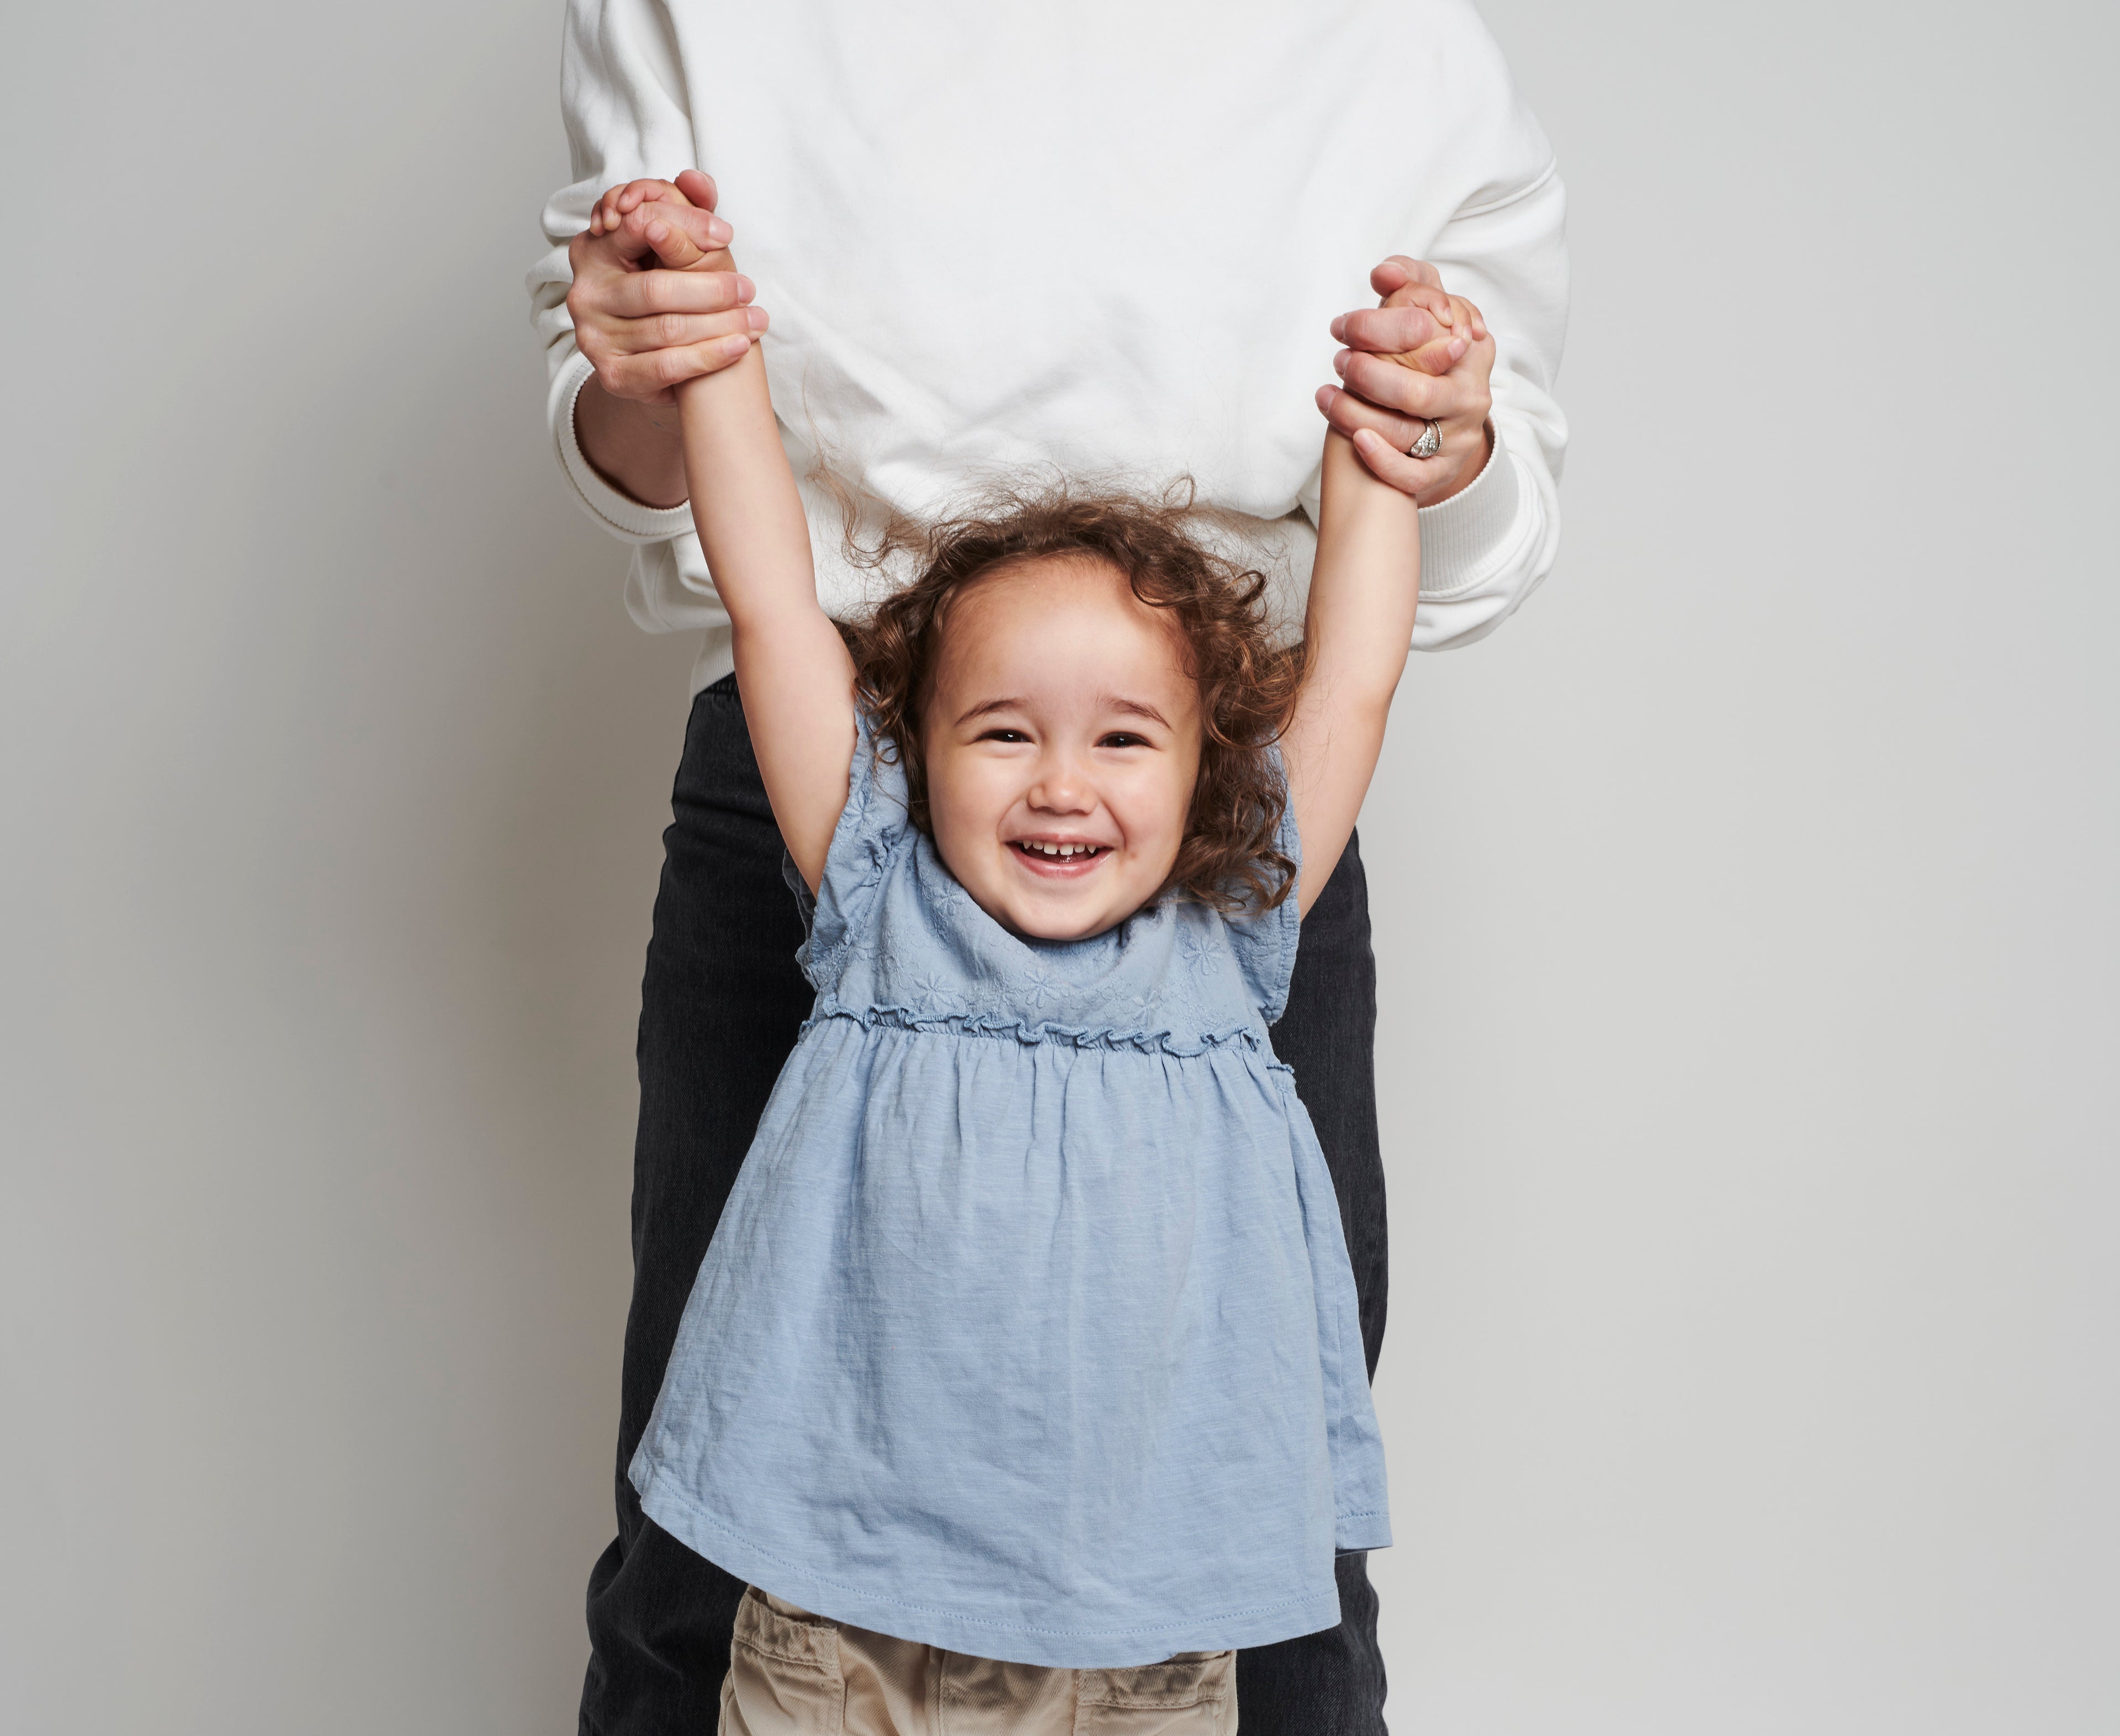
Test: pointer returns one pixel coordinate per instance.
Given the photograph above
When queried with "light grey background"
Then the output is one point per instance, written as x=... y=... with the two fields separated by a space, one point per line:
x=1747 y=921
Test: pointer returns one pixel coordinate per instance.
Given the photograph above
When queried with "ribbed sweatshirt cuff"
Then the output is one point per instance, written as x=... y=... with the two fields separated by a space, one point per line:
x=1466 y=538
x=621 y=514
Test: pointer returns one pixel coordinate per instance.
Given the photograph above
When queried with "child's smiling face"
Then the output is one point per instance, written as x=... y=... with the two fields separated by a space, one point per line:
x=1062 y=737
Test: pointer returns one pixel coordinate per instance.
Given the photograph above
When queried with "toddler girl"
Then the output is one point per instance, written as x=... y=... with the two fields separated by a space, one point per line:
x=1022 y=1381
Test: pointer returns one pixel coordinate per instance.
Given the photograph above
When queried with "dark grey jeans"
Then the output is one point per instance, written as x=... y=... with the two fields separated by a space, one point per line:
x=719 y=1008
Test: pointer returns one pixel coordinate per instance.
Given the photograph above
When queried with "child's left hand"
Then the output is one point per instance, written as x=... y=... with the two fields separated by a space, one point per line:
x=660 y=214
x=1422 y=356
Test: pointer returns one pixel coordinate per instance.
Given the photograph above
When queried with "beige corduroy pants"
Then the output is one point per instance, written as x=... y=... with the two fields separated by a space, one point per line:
x=792 y=1673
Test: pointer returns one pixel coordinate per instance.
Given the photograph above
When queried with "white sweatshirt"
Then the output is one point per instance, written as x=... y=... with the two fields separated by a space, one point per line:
x=1107 y=237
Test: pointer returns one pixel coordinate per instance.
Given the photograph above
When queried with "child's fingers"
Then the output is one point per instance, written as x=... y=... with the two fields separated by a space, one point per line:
x=613 y=202
x=634 y=194
x=680 y=236
x=1442 y=307
x=604 y=218
x=1469 y=320
x=1405 y=282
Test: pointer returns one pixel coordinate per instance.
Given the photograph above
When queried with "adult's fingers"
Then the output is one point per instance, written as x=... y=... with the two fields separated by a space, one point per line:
x=1400 y=279
x=1383 y=440
x=653 y=372
x=644 y=294
x=679 y=331
x=1350 y=414
x=1437 y=356
x=1390 y=385
x=1430 y=296
x=1410 y=476
x=1389 y=331
x=1399 y=271
x=698 y=188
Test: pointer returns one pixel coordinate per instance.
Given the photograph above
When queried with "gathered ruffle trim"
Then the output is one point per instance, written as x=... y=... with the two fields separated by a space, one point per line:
x=1030 y=1033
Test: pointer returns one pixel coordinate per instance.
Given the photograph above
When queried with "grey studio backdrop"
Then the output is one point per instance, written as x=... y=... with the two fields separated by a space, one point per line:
x=1746 y=917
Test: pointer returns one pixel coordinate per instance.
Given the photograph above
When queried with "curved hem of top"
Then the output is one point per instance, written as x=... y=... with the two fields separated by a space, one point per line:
x=974 y=1636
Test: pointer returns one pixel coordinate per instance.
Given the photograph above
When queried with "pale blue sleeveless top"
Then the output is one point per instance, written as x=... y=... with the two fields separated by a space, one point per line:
x=1028 y=1330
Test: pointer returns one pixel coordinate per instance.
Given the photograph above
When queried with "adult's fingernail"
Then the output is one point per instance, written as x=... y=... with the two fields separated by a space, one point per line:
x=754 y=318
x=717 y=230
x=745 y=288
x=1457 y=348
x=1340 y=363
x=733 y=347
x=1339 y=336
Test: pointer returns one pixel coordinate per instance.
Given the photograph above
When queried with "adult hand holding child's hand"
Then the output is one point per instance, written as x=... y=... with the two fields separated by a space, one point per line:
x=657 y=300
x=1422 y=356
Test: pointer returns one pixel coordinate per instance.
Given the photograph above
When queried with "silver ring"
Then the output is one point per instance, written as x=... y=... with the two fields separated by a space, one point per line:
x=1428 y=446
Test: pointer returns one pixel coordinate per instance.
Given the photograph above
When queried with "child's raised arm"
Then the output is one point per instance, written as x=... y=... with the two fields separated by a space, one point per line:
x=1364 y=590
x=791 y=668
x=1356 y=635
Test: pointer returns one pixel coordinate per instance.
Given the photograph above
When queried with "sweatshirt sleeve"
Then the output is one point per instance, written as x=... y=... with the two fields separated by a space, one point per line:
x=622 y=94
x=1483 y=551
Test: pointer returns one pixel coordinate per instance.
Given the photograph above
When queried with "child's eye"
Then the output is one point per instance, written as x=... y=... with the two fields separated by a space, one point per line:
x=1122 y=738
x=1003 y=735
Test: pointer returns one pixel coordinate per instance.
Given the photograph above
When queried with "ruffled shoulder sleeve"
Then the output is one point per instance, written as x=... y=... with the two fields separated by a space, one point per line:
x=1265 y=943
x=875 y=828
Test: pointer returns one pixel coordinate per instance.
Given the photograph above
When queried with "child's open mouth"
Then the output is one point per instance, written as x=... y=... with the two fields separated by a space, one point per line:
x=1059 y=858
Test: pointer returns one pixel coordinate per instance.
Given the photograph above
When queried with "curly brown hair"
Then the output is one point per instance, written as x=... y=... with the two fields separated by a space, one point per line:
x=1248 y=685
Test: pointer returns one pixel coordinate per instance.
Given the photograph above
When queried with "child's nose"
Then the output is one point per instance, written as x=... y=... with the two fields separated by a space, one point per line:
x=1061 y=788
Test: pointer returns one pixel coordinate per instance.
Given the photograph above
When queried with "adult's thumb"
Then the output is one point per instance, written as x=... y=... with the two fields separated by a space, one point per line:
x=679 y=236
x=699 y=189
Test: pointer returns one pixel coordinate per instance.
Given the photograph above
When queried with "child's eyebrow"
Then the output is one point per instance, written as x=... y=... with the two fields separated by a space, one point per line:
x=986 y=706
x=1133 y=707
